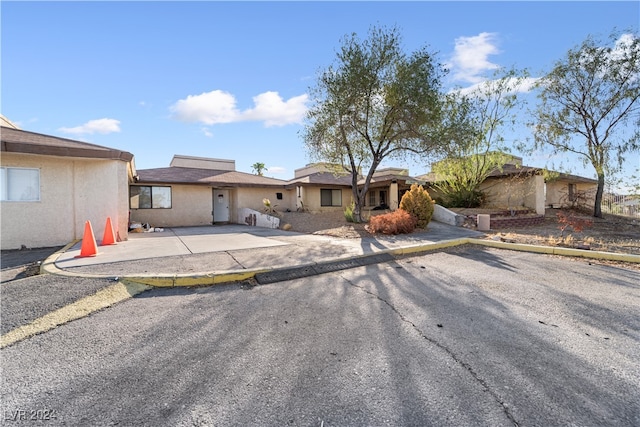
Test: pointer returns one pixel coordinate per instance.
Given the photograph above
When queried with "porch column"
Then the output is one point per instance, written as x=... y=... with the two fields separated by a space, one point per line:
x=540 y=196
x=394 y=203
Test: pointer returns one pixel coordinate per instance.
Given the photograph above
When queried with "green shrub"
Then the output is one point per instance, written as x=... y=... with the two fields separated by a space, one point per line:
x=398 y=222
x=465 y=199
x=349 y=212
x=418 y=203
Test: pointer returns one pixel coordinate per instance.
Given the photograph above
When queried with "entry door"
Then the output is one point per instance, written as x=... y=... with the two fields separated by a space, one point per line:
x=383 y=198
x=220 y=205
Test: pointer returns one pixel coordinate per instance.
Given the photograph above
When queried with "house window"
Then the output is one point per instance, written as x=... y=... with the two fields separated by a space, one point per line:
x=330 y=197
x=279 y=196
x=148 y=197
x=372 y=198
x=20 y=184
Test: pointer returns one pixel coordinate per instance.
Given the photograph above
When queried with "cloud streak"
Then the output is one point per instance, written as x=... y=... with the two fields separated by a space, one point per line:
x=217 y=107
x=101 y=126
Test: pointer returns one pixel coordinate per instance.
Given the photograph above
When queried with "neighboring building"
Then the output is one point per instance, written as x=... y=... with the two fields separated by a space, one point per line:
x=515 y=185
x=51 y=186
x=322 y=187
x=201 y=191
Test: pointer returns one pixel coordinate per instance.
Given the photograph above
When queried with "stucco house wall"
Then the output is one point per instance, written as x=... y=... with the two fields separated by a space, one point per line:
x=312 y=202
x=558 y=193
x=252 y=198
x=510 y=192
x=190 y=205
x=72 y=191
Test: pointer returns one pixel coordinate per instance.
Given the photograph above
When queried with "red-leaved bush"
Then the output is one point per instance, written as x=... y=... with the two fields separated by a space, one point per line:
x=397 y=222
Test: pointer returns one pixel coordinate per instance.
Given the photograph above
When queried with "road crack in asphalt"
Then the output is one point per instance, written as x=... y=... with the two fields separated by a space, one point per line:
x=447 y=350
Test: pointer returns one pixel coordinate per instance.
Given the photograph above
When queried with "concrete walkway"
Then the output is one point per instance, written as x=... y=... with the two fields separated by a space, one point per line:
x=214 y=250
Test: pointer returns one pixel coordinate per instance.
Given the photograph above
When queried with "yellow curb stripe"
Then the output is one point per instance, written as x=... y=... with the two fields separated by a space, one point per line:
x=102 y=299
x=554 y=250
x=195 y=280
x=428 y=247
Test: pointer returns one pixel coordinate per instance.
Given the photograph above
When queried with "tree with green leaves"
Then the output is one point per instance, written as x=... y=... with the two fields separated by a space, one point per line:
x=375 y=102
x=472 y=127
x=258 y=168
x=587 y=102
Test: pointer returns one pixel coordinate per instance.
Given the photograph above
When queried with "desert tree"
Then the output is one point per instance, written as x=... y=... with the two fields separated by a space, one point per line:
x=375 y=102
x=587 y=102
x=474 y=122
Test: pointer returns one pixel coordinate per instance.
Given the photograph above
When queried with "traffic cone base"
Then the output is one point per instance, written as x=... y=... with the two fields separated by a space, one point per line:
x=89 y=246
x=109 y=237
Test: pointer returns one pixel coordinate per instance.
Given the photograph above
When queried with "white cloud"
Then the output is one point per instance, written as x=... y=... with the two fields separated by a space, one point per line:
x=102 y=126
x=274 y=111
x=207 y=132
x=276 y=170
x=469 y=59
x=208 y=108
x=220 y=107
x=513 y=85
x=622 y=46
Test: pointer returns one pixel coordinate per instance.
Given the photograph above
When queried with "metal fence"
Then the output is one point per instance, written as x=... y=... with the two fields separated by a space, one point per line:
x=621 y=205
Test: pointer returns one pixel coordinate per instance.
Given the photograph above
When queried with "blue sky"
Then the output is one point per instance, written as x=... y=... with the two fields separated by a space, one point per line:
x=230 y=79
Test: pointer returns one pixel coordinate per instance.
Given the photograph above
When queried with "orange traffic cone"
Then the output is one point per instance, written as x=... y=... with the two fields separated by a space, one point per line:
x=89 y=246
x=109 y=237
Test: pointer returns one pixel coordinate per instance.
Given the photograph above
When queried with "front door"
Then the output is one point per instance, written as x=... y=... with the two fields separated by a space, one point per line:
x=220 y=205
x=383 y=198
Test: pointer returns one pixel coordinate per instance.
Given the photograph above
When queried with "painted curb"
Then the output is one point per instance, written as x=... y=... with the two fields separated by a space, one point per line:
x=554 y=250
x=83 y=307
x=198 y=279
x=407 y=250
x=218 y=278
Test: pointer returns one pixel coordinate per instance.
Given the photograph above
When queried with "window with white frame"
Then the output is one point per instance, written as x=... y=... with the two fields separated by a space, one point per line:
x=149 y=197
x=330 y=197
x=19 y=184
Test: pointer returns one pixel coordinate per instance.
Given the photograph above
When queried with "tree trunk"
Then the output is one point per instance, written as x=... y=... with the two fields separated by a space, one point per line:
x=597 y=208
x=357 y=205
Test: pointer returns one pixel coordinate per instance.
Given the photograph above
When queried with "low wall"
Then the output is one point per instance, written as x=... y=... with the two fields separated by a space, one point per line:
x=257 y=219
x=515 y=221
x=444 y=215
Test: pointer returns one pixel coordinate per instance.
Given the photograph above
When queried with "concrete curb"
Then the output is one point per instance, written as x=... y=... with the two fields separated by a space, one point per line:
x=553 y=250
x=83 y=307
x=218 y=278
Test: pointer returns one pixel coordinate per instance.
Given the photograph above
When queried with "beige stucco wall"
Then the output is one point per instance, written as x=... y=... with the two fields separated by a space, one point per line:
x=72 y=191
x=558 y=192
x=252 y=198
x=310 y=196
x=512 y=193
x=190 y=205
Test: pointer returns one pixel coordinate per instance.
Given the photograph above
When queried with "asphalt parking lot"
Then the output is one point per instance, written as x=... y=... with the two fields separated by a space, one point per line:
x=466 y=336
